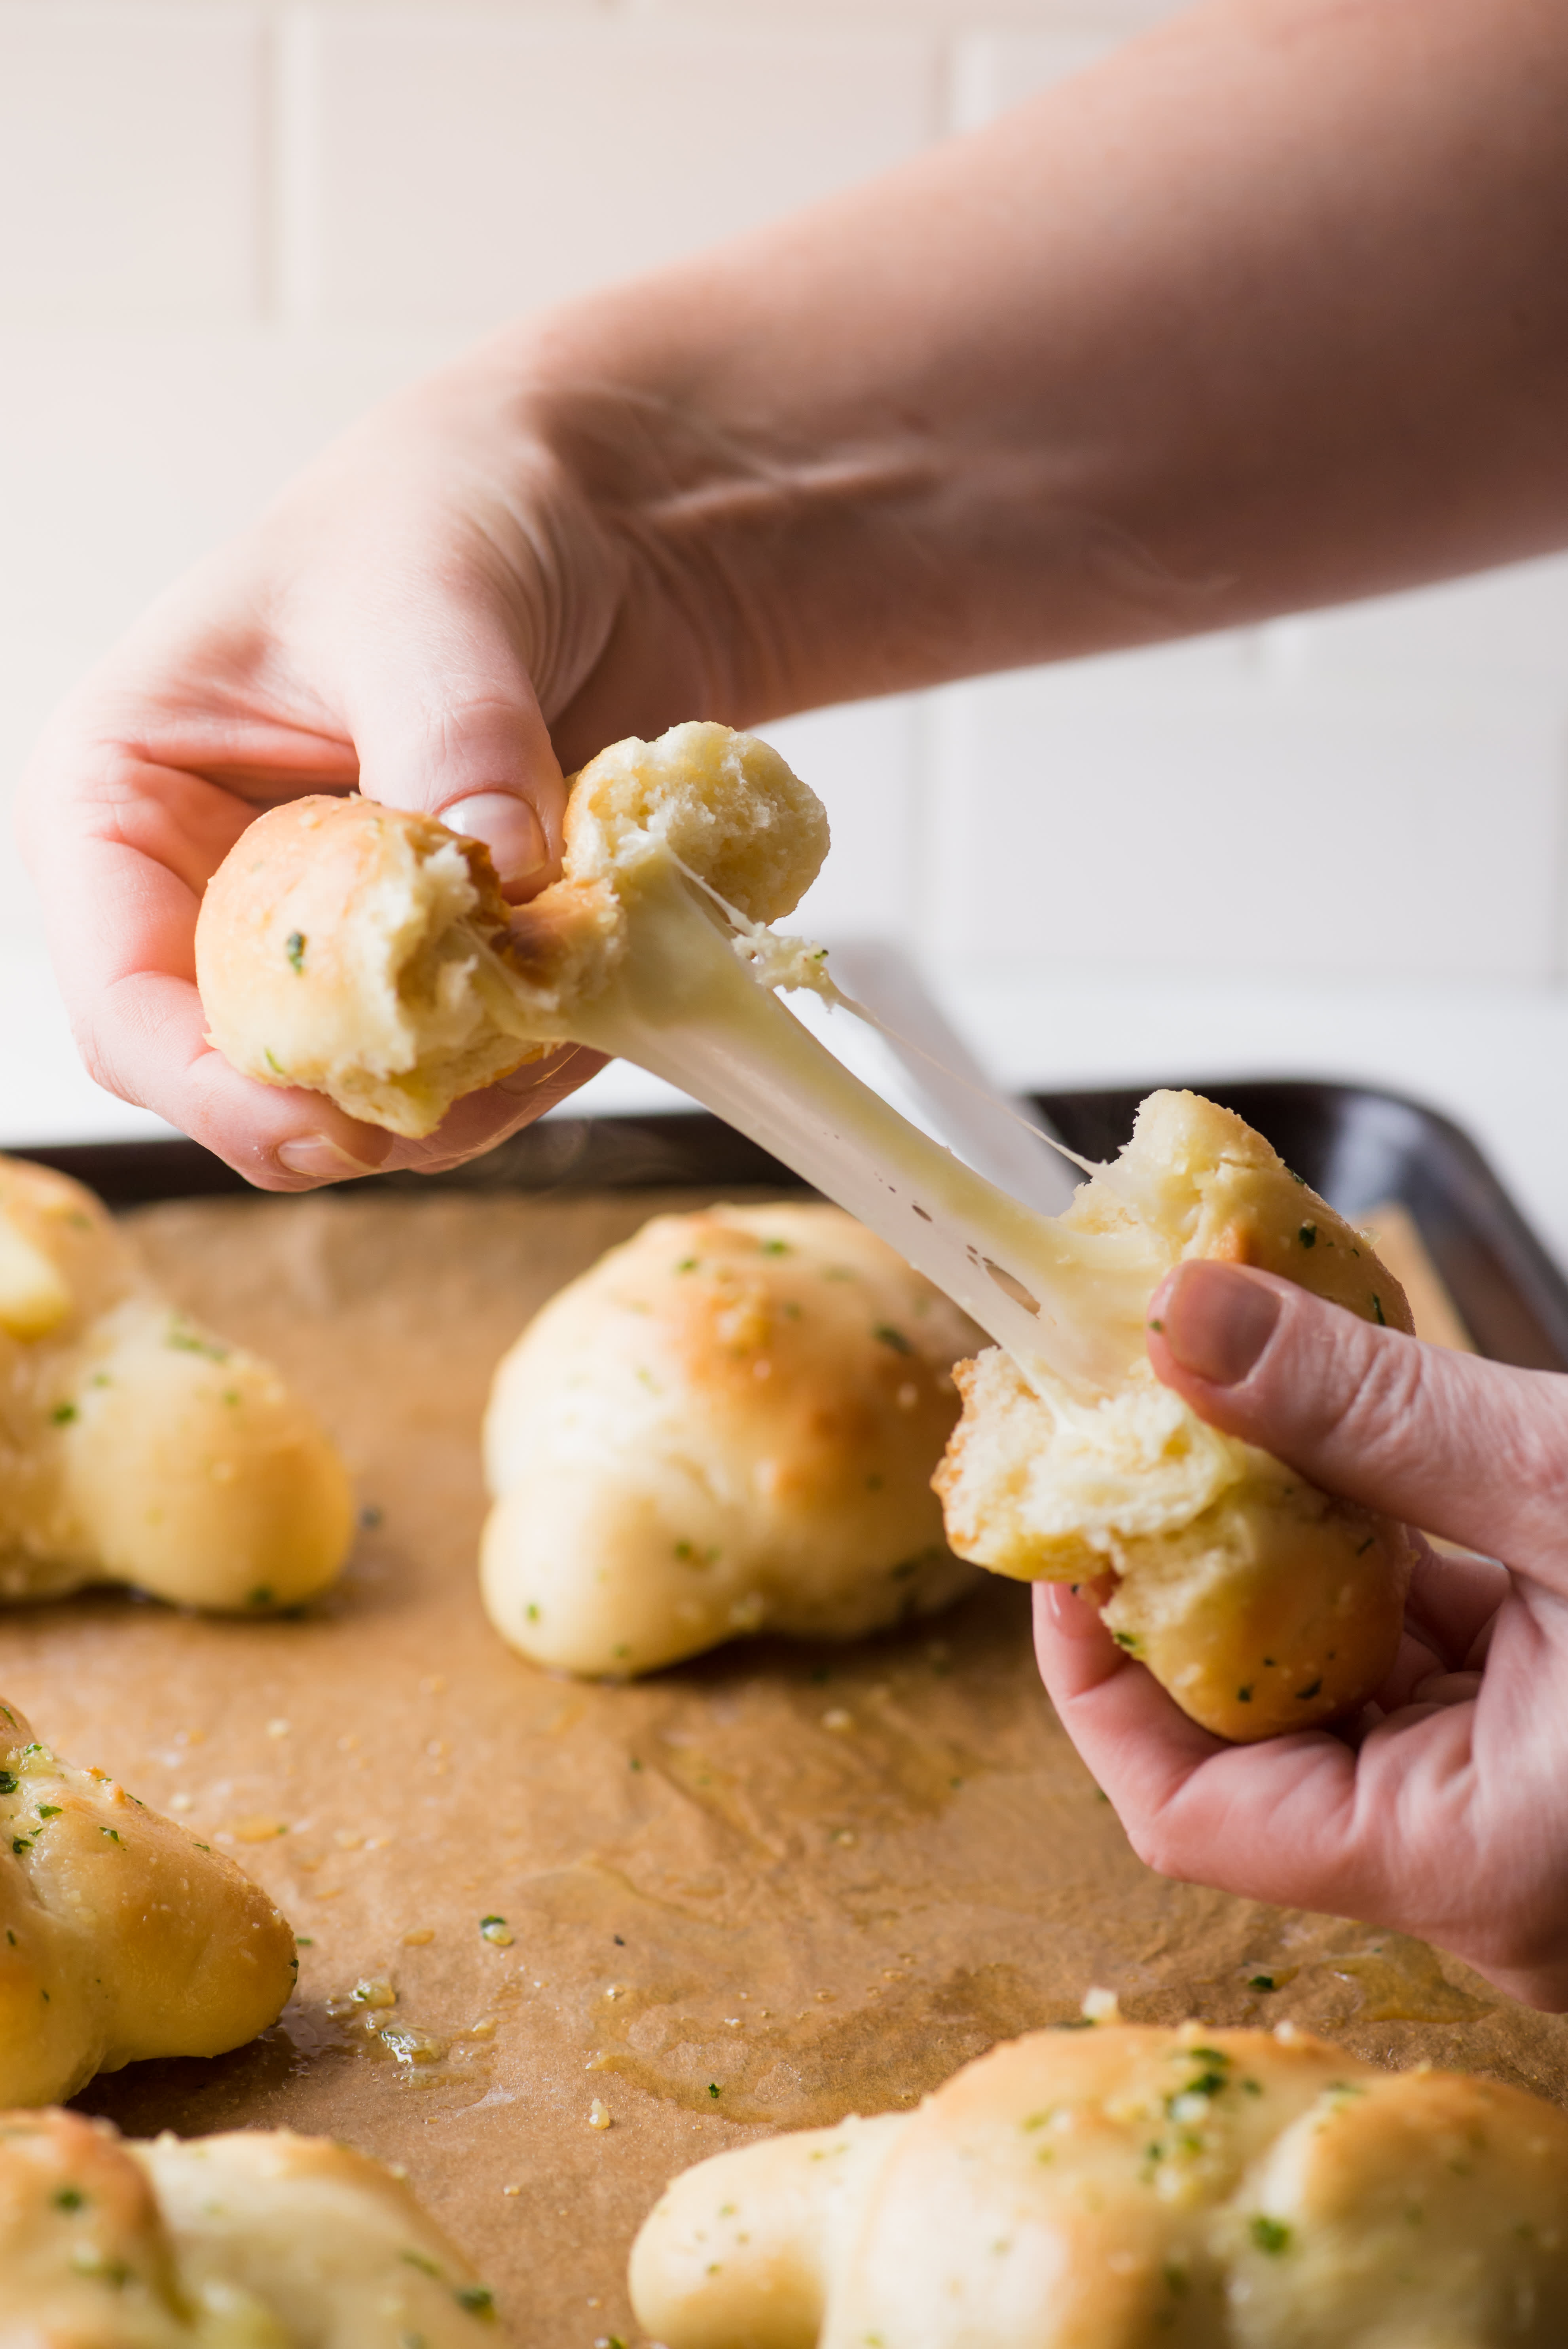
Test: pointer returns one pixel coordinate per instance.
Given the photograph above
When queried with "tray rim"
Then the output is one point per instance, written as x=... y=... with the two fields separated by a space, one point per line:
x=656 y=1148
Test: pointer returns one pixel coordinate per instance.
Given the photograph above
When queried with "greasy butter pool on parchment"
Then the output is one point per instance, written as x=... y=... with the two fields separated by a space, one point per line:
x=765 y=1889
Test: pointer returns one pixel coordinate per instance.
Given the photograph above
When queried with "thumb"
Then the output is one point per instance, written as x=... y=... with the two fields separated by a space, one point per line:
x=1474 y=1450
x=451 y=725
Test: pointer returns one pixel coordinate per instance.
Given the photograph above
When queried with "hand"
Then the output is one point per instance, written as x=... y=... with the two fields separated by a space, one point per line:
x=1443 y=1810
x=410 y=621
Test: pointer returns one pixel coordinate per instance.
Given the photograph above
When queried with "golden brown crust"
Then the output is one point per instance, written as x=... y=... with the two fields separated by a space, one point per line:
x=253 y=2240
x=1124 y=2186
x=135 y=1446
x=120 y=1936
x=334 y=949
x=1260 y=1603
x=726 y=1425
x=366 y=953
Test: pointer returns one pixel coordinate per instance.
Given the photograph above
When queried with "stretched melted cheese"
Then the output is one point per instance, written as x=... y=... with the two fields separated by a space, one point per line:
x=1259 y=1602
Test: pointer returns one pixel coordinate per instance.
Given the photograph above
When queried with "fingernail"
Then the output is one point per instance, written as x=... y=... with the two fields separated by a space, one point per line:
x=509 y=829
x=1073 y=1617
x=1216 y=1320
x=534 y=1073
x=322 y=1161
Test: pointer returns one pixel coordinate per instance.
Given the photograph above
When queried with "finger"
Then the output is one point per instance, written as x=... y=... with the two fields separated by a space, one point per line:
x=1417 y=1659
x=445 y=721
x=1193 y=1807
x=1453 y=1599
x=147 y=1042
x=1276 y=1821
x=1472 y=1450
x=481 y=1120
x=1138 y=1742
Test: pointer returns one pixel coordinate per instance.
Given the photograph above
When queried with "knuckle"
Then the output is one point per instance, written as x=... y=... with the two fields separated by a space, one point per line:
x=1376 y=1396
x=1155 y=1835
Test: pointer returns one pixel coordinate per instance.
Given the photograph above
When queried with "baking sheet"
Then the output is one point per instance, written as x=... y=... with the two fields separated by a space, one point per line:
x=760 y=1892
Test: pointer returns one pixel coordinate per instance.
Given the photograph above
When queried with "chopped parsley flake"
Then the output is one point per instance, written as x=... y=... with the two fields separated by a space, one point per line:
x=1261 y=1982
x=1311 y=1689
x=1270 y=2235
x=63 y=1413
x=295 y=951
x=49 y=1810
x=192 y=1341
x=1377 y=1309
x=477 y=2299
x=1307 y=1235
x=713 y=2087
x=887 y=1335
x=68 y=2197
x=7 y=1782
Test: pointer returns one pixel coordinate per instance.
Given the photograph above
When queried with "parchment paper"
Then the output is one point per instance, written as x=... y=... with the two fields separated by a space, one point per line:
x=774 y=1887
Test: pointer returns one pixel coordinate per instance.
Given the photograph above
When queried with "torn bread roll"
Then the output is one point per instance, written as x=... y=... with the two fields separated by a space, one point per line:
x=1121 y=2187
x=254 y=2240
x=727 y=1425
x=121 y=1937
x=1262 y=1604
x=367 y=953
x=135 y=1446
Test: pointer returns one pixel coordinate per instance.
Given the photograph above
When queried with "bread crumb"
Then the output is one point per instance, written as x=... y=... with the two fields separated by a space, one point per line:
x=598 y=2117
x=418 y=1936
x=1102 y=2006
x=279 y=1728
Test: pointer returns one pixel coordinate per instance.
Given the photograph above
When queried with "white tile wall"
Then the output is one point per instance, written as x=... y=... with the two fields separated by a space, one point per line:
x=1142 y=811
x=864 y=760
x=132 y=161
x=224 y=227
x=461 y=165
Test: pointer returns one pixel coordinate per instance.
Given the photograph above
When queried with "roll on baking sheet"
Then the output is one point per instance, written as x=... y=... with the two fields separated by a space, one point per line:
x=561 y=1940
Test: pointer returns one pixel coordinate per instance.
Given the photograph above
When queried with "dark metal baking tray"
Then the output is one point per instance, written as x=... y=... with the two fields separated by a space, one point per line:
x=1356 y=1145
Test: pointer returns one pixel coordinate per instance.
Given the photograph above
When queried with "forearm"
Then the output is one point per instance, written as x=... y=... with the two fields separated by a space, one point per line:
x=1270 y=310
